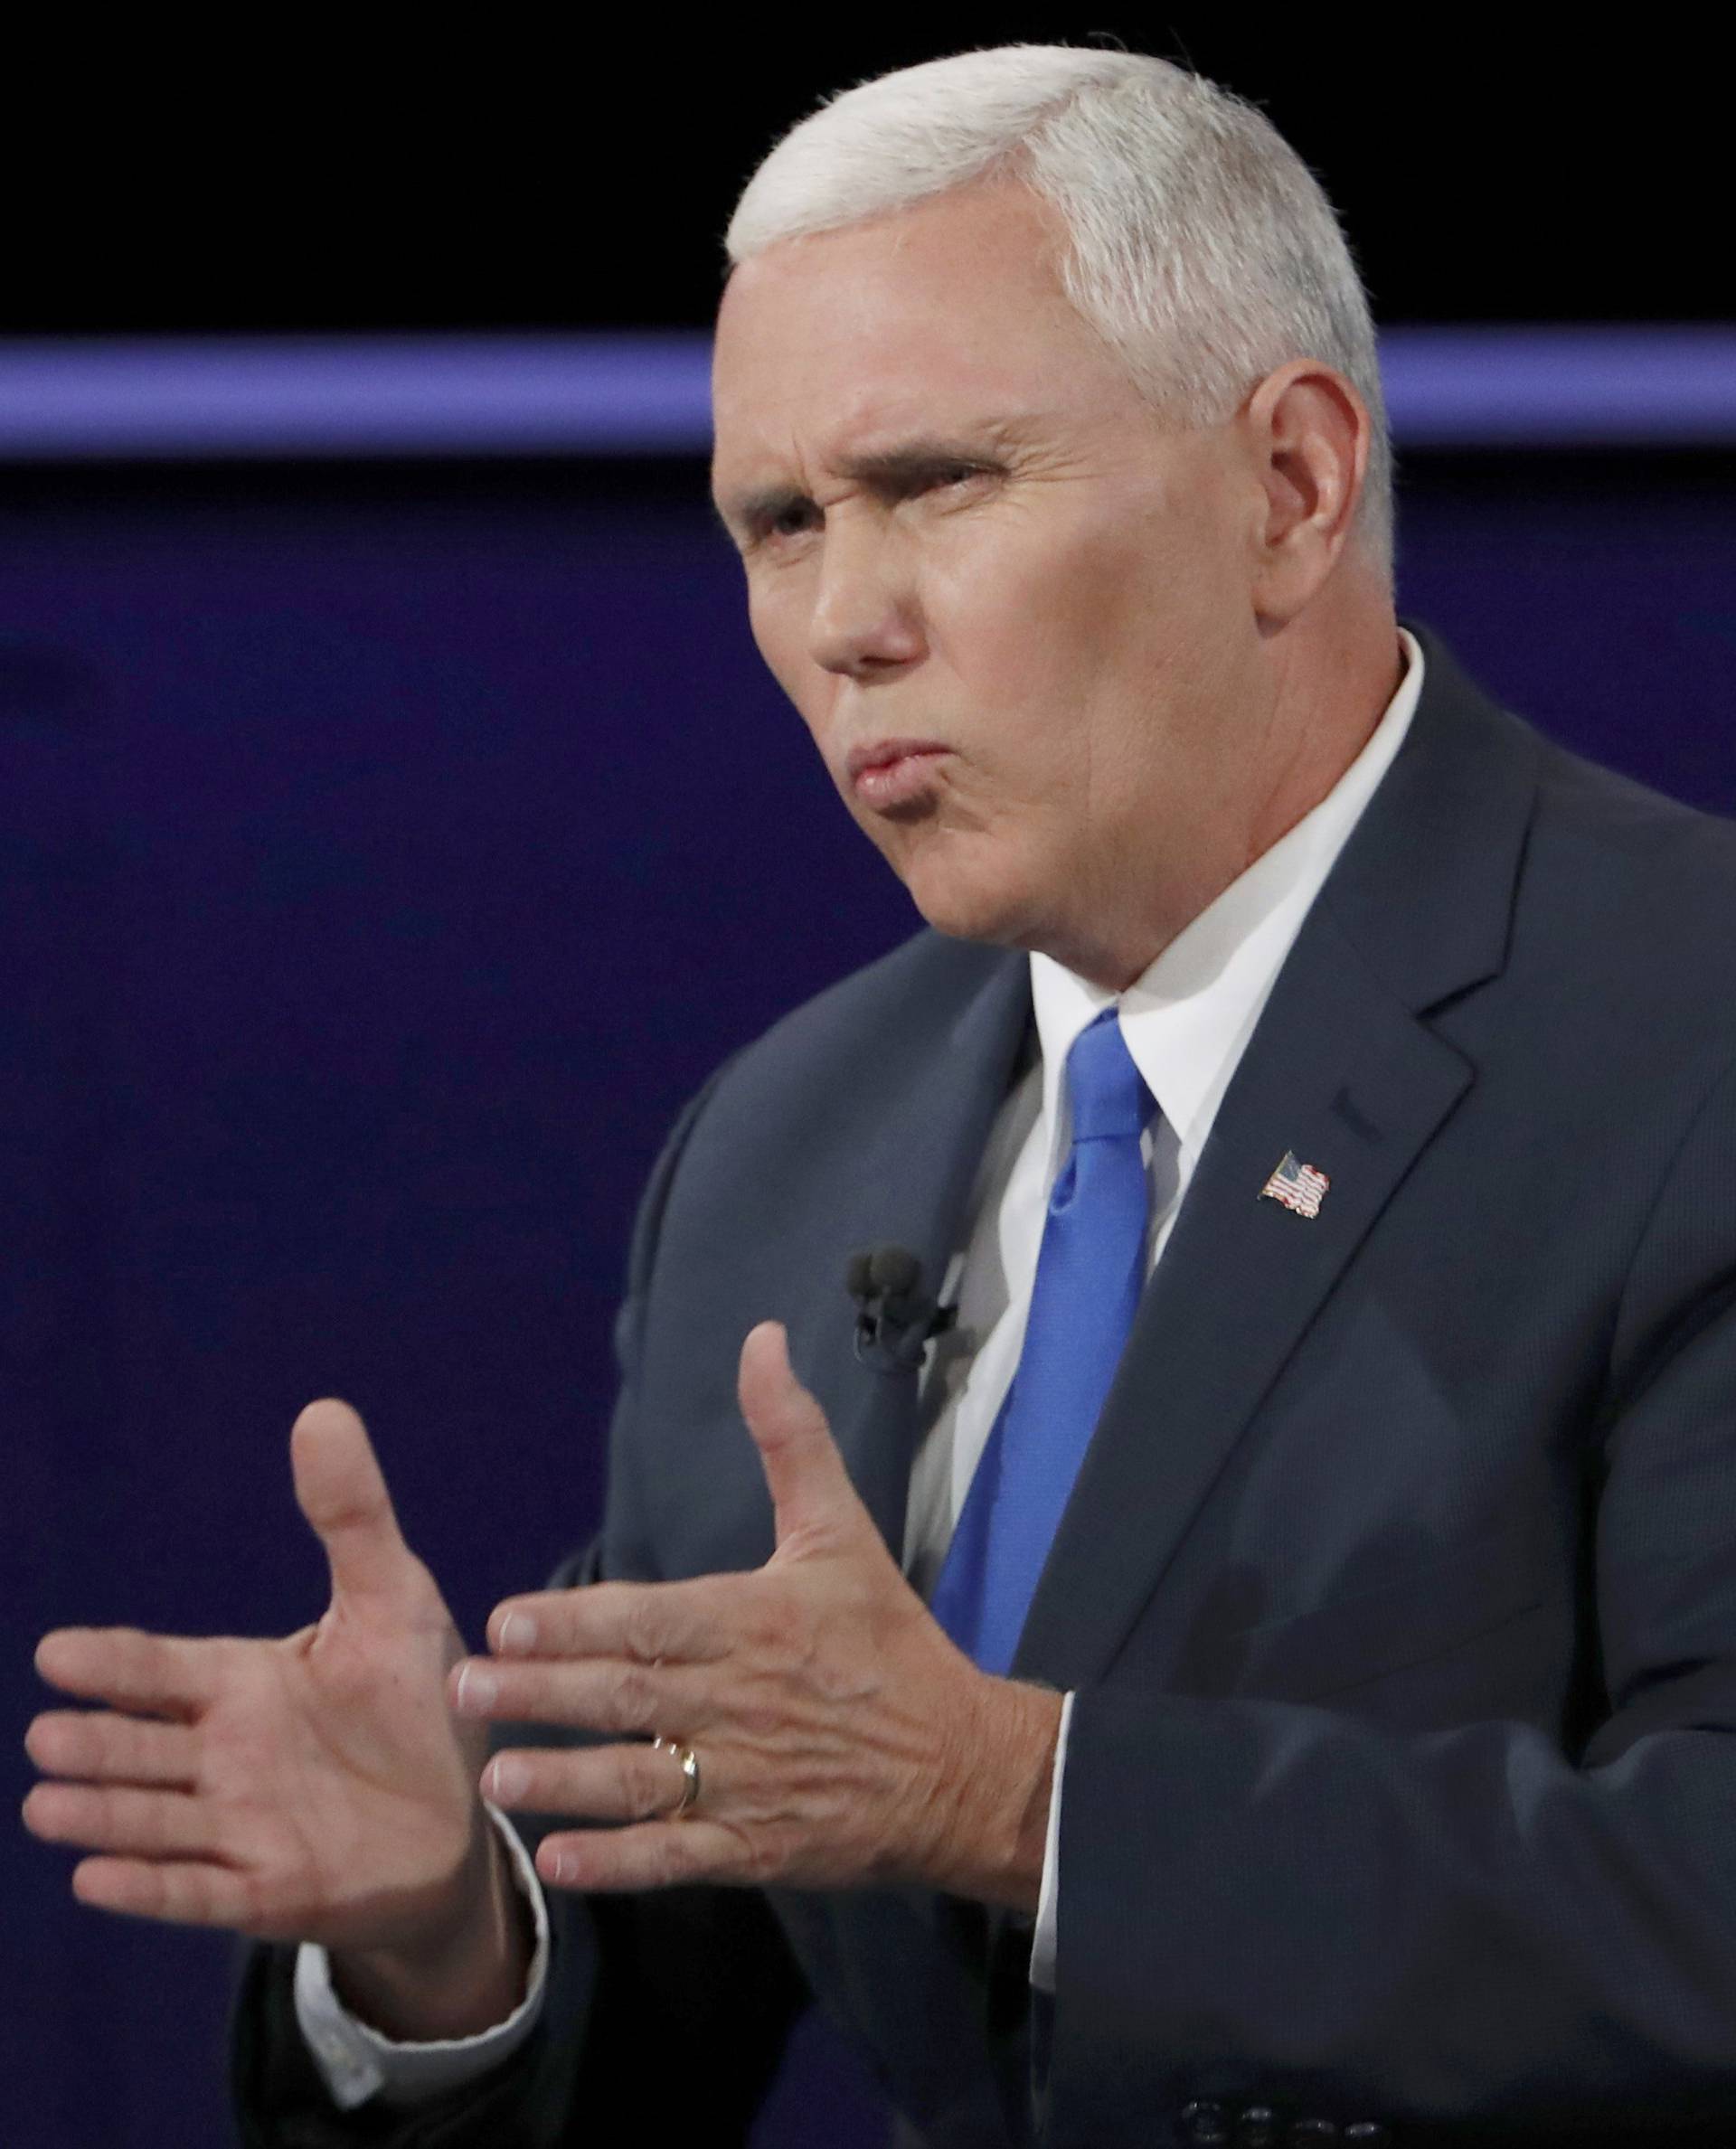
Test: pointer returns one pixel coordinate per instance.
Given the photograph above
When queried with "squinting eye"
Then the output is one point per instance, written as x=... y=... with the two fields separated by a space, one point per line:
x=948 y=477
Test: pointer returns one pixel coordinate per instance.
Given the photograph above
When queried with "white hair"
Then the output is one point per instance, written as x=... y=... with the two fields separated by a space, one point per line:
x=1199 y=244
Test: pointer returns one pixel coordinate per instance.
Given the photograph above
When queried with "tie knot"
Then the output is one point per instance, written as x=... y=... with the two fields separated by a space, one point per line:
x=1106 y=1091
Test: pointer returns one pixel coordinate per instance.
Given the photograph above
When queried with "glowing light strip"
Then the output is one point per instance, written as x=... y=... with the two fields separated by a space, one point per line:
x=285 y=399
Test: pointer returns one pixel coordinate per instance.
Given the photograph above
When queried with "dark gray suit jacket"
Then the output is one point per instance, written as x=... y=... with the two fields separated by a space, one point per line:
x=1399 y=1584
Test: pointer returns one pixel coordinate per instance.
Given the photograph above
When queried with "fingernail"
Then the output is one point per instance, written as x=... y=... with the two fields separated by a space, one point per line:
x=508 y=1779
x=517 y=1632
x=559 y=1867
x=477 y=1689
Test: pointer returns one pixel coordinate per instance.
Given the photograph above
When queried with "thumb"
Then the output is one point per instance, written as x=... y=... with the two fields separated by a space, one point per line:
x=341 y=1491
x=811 y=1492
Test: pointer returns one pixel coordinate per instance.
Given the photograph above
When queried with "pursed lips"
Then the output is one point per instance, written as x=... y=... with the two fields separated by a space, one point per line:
x=893 y=772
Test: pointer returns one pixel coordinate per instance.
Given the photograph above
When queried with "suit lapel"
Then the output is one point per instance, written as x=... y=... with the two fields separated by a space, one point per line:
x=1238 y=1284
x=1343 y=1072
x=909 y=1187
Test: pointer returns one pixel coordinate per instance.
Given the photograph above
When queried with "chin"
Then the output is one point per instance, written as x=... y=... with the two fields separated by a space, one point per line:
x=971 y=907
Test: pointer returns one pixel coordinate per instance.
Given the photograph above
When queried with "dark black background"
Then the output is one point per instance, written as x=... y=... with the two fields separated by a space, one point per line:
x=504 y=169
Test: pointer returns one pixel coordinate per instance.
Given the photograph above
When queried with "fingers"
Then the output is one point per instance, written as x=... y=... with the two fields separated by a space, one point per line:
x=110 y=1817
x=340 y=1489
x=97 y=1747
x=165 y=1674
x=602 y=1783
x=601 y=1696
x=654 y=1855
x=811 y=1492
x=178 y=1892
x=644 y=1622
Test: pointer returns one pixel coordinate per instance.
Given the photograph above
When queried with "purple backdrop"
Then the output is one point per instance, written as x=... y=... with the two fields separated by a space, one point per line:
x=381 y=862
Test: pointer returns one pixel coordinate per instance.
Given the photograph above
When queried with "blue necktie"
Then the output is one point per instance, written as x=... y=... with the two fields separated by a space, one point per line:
x=1091 y=1270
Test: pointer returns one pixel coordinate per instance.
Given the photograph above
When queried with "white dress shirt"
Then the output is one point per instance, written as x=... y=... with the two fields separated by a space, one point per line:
x=1186 y=1020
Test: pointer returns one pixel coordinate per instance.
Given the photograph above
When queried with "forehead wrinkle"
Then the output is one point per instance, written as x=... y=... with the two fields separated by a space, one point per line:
x=869 y=448
x=891 y=450
x=889 y=453
x=890 y=422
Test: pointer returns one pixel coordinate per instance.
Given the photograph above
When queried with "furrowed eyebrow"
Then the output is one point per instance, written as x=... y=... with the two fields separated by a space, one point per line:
x=755 y=511
x=912 y=459
x=887 y=468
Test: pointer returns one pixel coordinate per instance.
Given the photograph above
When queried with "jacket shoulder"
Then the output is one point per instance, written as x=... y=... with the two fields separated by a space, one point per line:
x=1612 y=875
x=1639 y=873
x=873 y=1025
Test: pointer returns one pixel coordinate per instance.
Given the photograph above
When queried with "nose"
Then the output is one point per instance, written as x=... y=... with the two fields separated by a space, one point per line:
x=866 y=620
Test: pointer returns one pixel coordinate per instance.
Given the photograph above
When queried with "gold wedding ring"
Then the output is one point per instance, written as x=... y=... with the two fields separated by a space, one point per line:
x=689 y=1761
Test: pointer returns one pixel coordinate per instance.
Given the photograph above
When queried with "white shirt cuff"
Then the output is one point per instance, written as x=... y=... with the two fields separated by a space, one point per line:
x=356 y=2062
x=1042 y=1941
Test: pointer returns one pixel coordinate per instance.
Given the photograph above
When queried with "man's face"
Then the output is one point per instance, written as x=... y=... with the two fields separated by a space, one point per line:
x=1010 y=605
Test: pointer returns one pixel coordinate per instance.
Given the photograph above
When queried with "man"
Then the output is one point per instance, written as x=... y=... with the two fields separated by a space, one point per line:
x=1240 y=1641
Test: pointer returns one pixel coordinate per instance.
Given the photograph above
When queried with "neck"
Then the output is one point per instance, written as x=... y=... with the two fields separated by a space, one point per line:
x=1324 y=697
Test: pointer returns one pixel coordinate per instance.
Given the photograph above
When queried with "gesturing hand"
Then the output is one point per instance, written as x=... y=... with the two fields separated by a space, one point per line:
x=311 y=1788
x=841 y=1738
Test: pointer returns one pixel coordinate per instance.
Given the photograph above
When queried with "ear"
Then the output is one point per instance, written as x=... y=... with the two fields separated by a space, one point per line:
x=1309 y=435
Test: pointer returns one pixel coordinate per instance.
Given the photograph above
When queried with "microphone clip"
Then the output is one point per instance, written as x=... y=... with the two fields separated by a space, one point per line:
x=895 y=1317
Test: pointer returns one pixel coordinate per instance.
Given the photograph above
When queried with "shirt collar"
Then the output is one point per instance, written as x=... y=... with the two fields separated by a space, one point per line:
x=1187 y=1018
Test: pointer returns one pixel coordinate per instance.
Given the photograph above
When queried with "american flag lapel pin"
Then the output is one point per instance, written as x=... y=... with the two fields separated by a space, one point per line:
x=1300 y=1186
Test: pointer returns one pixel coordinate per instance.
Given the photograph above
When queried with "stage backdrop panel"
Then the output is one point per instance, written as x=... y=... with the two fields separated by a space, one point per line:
x=382 y=861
